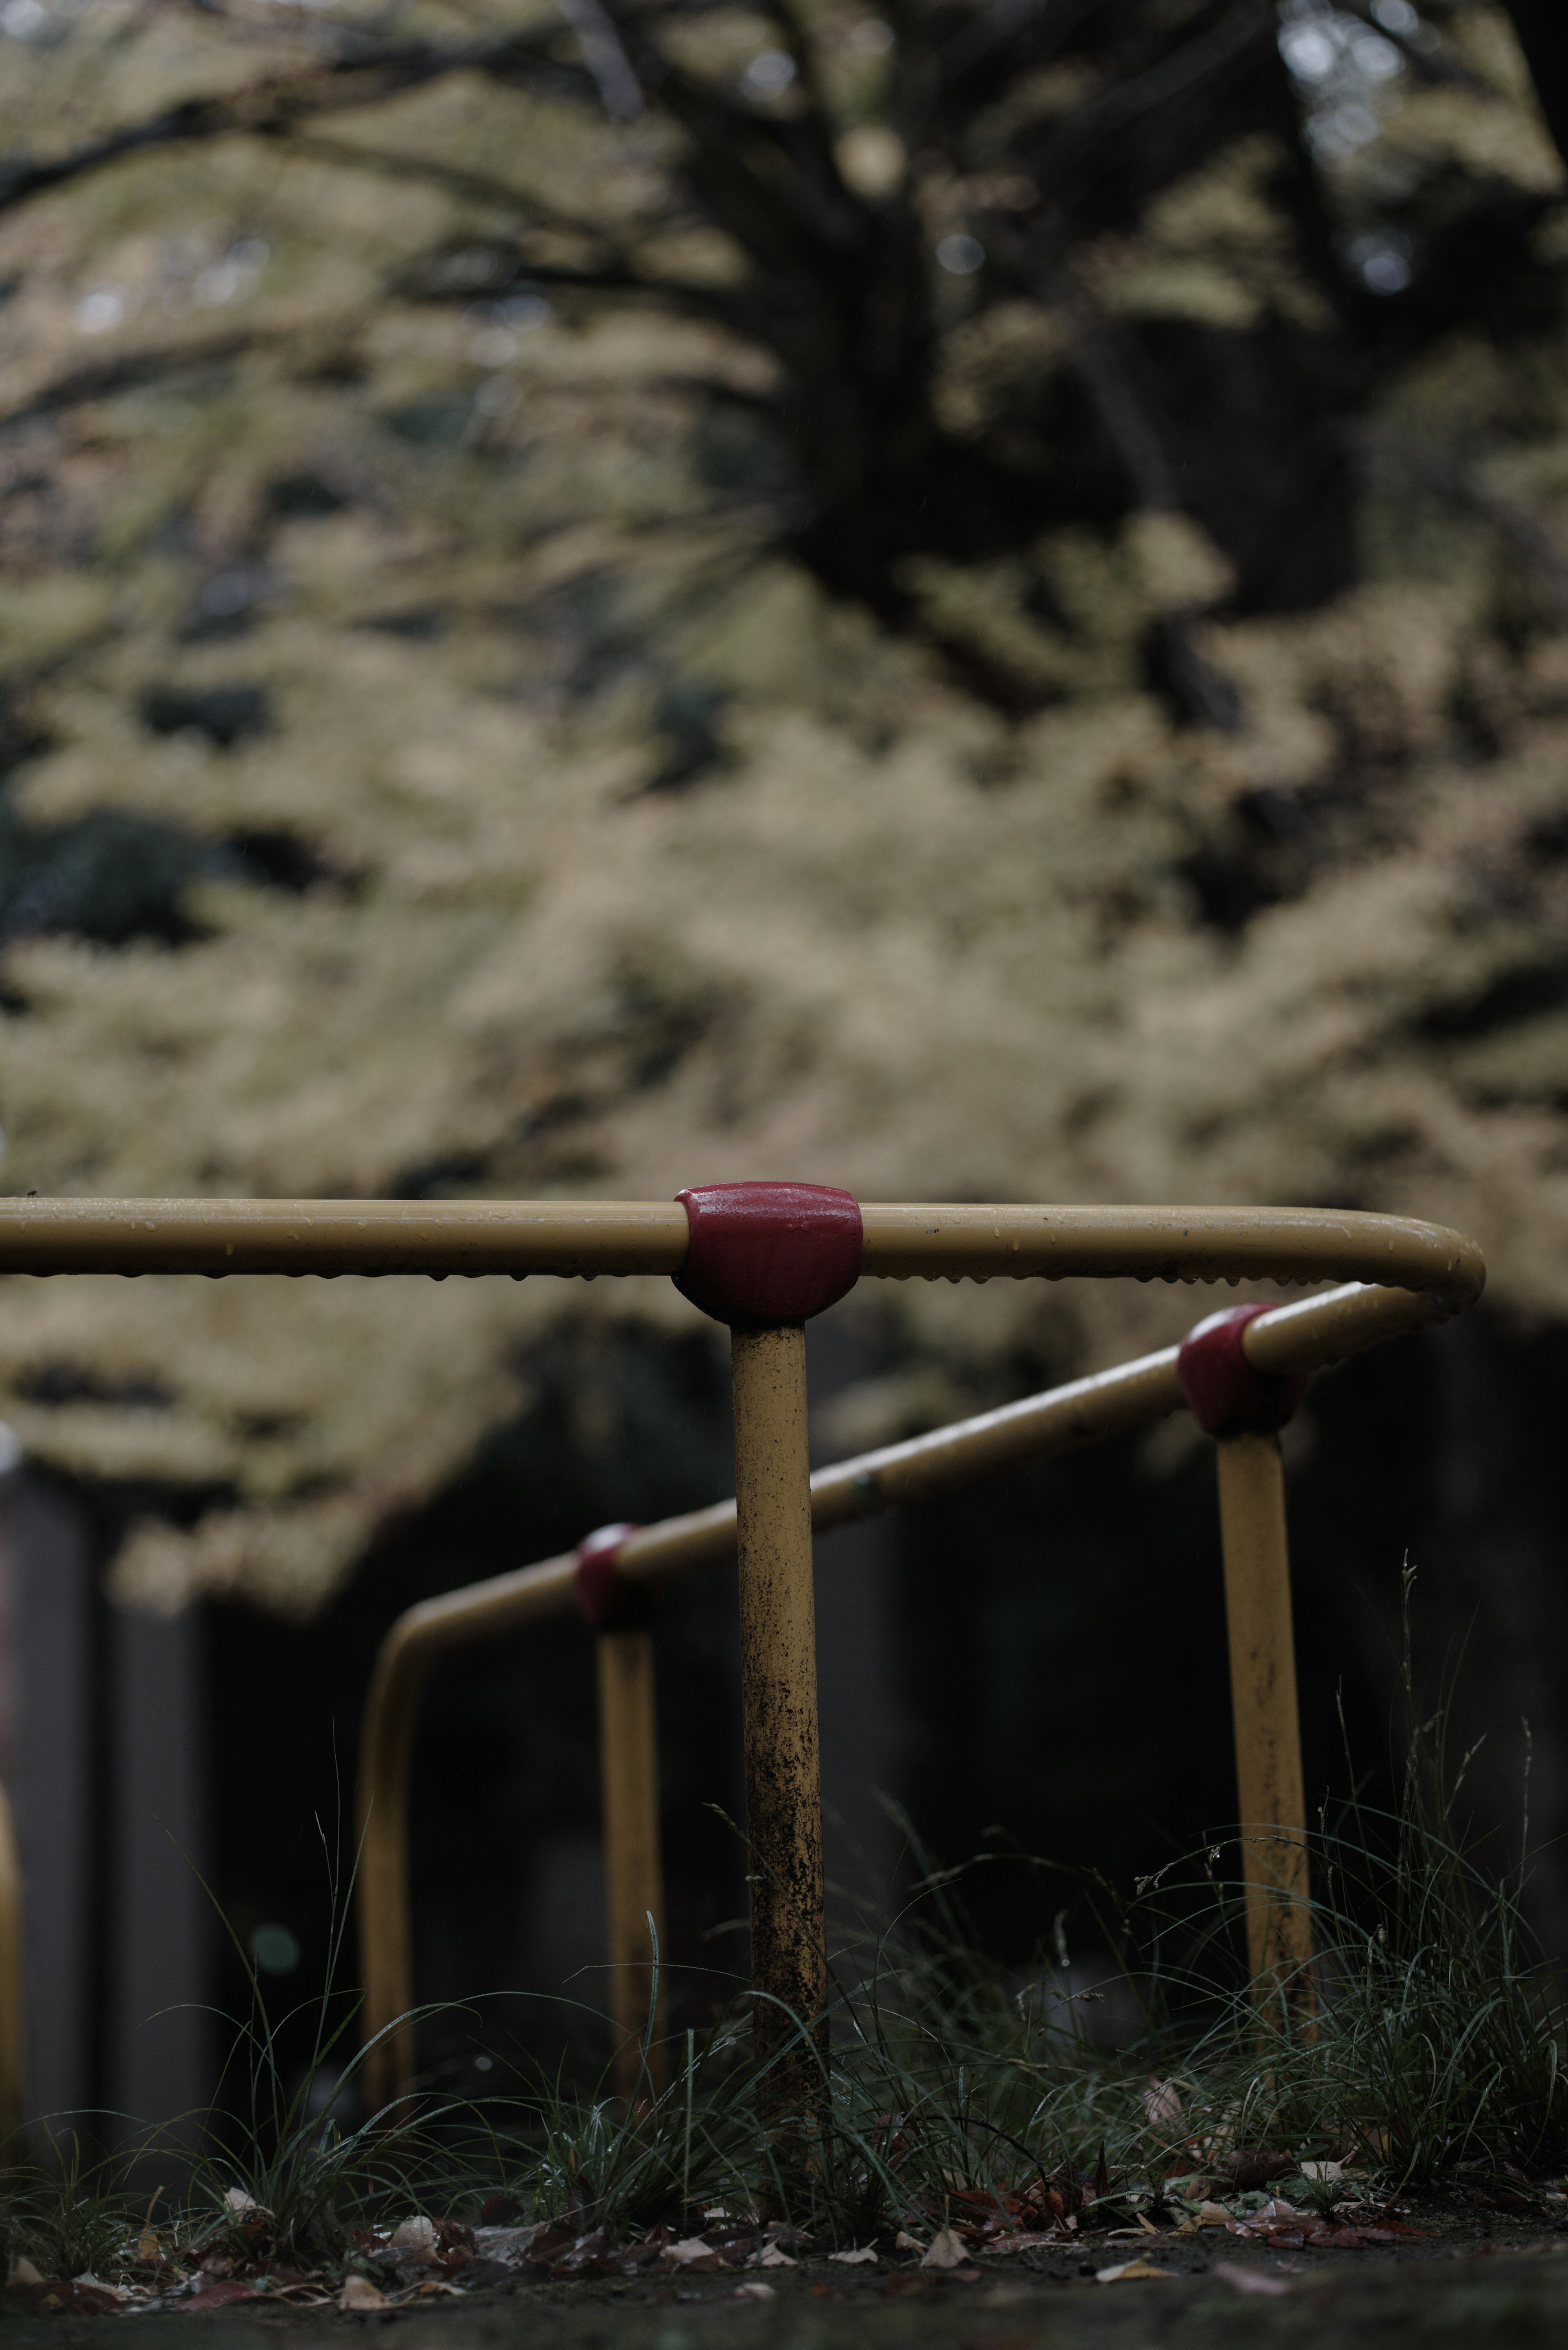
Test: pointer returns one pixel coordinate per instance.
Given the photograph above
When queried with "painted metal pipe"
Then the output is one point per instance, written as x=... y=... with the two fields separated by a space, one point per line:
x=1265 y=1714
x=634 y=1876
x=589 y=1237
x=1303 y=1337
x=1243 y=1406
x=530 y=1596
x=13 y=1993
x=778 y=1700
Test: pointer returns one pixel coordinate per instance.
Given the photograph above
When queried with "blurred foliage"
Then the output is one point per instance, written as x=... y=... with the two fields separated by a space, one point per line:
x=968 y=603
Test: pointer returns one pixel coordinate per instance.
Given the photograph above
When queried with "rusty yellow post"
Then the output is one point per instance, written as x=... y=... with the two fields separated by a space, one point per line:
x=764 y=1258
x=1263 y=1709
x=778 y=1683
x=13 y=1995
x=1243 y=1407
x=529 y=1595
x=634 y=1884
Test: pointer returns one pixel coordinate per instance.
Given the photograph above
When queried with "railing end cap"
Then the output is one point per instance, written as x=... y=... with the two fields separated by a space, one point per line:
x=605 y=1599
x=1223 y=1392
x=764 y=1254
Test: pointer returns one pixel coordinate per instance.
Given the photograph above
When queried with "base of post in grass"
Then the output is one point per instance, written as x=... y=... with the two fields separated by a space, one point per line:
x=784 y=1789
x=1279 y=1933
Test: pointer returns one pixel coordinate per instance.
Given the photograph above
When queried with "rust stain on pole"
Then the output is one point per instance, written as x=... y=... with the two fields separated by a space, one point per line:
x=634 y=1882
x=778 y=1681
x=1264 y=1705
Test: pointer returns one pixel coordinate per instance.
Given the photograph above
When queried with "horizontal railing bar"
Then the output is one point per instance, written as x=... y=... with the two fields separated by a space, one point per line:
x=1313 y=1331
x=589 y=1237
x=1188 y=1244
x=437 y=1238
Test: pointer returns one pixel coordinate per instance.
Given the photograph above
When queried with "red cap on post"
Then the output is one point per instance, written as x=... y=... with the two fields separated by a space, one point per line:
x=766 y=1253
x=609 y=1602
x=1223 y=1392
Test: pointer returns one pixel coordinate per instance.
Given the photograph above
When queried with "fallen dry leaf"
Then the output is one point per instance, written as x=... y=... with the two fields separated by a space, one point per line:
x=850 y=2260
x=1162 y=2100
x=754 y=2292
x=73 y=2298
x=946 y=2249
x=770 y=2257
x=1278 y=2224
x=216 y=2293
x=25 y=2272
x=587 y=2257
x=1243 y=2280
x=243 y=2205
x=512 y=2244
x=359 y=2292
x=1126 y=2271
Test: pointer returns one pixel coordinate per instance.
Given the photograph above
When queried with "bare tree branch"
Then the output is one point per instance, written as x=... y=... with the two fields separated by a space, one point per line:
x=605 y=58
x=273 y=107
x=102 y=379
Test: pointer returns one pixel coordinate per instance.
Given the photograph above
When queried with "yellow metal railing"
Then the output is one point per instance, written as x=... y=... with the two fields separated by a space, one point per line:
x=1285 y=1342
x=764 y=1258
x=619 y=1236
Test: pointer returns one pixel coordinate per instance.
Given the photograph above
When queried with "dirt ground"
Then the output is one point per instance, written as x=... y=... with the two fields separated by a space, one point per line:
x=1453 y=2287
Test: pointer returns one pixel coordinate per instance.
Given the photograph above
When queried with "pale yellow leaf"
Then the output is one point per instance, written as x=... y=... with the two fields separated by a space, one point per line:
x=359 y=2292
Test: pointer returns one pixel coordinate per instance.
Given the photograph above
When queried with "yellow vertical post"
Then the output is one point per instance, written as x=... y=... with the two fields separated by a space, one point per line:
x=764 y=1258
x=634 y=1885
x=778 y=1682
x=1264 y=1713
